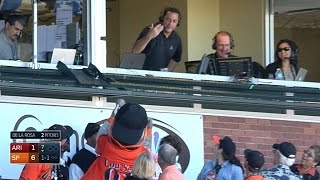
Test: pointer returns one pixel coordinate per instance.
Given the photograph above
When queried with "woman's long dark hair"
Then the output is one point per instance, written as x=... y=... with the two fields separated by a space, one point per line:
x=294 y=52
x=233 y=160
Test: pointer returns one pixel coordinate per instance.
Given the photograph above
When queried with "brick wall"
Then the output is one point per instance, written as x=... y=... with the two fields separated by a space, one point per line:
x=260 y=134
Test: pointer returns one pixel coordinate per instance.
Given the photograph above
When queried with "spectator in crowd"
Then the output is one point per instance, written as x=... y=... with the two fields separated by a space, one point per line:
x=119 y=148
x=286 y=56
x=227 y=166
x=254 y=161
x=284 y=157
x=167 y=160
x=49 y=171
x=14 y=24
x=83 y=159
x=174 y=142
x=143 y=168
x=161 y=44
x=307 y=168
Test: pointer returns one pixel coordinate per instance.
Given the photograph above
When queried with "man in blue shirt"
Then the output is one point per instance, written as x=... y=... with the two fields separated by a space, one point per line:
x=9 y=35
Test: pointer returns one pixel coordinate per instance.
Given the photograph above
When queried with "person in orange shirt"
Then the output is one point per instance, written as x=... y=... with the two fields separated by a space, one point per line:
x=122 y=144
x=253 y=164
x=44 y=171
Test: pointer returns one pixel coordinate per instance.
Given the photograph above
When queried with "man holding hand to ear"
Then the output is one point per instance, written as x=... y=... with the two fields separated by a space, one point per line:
x=161 y=44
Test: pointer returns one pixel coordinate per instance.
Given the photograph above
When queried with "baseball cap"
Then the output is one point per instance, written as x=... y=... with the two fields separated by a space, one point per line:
x=287 y=149
x=255 y=159
x=66 y=131
x=228 y=147
x=129 y=124
x=91 y=129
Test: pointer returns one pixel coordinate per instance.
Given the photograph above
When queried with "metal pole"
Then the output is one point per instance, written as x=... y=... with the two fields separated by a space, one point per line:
x=35 y=34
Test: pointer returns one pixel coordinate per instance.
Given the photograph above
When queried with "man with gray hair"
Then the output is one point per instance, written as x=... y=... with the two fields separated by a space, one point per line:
x=284 y=157
x=167 y=160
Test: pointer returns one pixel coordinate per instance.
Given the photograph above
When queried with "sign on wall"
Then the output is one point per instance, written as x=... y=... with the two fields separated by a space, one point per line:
x=20 y=117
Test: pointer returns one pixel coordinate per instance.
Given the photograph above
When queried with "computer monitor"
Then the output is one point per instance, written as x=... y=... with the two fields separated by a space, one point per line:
x=203 y=66
x=234 y=66
x=132 y=61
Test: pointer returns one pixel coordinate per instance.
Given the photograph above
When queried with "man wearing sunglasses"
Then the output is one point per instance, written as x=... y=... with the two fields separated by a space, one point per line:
x=285 y=60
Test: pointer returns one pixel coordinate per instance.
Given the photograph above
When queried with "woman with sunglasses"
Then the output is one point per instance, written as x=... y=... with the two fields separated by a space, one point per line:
x=310 y=159
x=285 y=60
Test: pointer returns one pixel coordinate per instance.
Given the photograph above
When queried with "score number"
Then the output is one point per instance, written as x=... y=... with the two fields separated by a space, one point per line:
x=47 y=152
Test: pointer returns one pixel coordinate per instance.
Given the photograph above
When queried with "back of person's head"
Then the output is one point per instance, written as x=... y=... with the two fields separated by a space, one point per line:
x=228 y=147
x=144 y=166
x=228 y=151
x=294 y=51
x=12 y=17
x=129 y=125
x=254 y=160
x=90 y=133
x=167 y=154
x=316 y=149
x=287 y=153
x=173 y=141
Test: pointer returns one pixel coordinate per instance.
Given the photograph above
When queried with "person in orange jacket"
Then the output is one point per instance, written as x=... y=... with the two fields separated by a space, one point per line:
x=121 y=144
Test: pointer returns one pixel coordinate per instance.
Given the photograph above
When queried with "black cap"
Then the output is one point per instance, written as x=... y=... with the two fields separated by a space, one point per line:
x=91 y=129
x=66 y=131
x=129 y=124
x=255 y=159
x=287 y=149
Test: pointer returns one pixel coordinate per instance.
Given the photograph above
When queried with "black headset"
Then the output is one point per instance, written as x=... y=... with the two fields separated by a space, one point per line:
x=294 y=50
x=171 y=9
x=214 y=43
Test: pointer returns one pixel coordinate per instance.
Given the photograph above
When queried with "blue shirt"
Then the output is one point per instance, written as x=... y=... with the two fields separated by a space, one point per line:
x=279 y=172
x=227 y=171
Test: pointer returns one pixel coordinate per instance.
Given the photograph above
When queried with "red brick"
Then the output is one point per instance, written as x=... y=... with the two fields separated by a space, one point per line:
x=263 y=147
x=283 y=123
x=252 y=146
x=251 y=121
x=231 y=120
x=297 y=130
x=207 y=124
x=256 y=127
x=237 y=133
x=244 y=139
x=211 y=118
x=309 y=131
x=226 y=125
x=264 y=122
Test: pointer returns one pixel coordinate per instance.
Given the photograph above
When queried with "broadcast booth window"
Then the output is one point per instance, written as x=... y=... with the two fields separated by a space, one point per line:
x=61 y=24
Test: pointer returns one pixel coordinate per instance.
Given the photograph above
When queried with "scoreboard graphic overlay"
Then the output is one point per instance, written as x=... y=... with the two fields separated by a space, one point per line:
x=30 y=152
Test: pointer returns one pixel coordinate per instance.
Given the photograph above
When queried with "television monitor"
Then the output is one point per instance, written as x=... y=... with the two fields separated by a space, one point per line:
x=234 y=66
